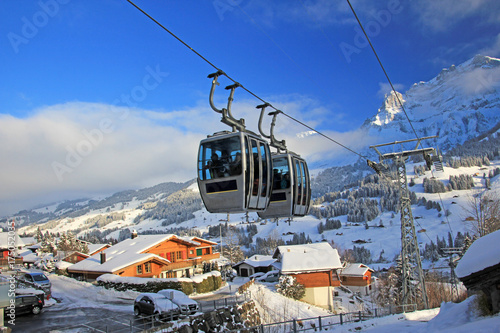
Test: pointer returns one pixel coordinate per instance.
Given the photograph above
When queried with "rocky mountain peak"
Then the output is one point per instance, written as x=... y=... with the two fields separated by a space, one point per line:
x=460 y=103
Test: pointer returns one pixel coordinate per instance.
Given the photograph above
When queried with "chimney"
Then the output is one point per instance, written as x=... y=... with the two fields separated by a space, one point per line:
x=133 y=234
x=103 y=258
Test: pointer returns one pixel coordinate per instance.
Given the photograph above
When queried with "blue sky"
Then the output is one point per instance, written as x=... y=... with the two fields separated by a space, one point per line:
x=95 y=97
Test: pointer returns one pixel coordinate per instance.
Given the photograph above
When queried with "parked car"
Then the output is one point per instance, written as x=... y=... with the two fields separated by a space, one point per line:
x=29 y=303
x=271 y=276
x=256 y=275
x=156 y=304
x=186 y=304
x=38 y=278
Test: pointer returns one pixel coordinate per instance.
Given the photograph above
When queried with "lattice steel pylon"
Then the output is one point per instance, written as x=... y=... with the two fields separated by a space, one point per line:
x=413 y=284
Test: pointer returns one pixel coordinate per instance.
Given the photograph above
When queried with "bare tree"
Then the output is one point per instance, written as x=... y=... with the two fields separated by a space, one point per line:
x=483 y=212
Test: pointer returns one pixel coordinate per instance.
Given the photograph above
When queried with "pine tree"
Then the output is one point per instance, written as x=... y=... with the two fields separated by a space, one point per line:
x=289 y=287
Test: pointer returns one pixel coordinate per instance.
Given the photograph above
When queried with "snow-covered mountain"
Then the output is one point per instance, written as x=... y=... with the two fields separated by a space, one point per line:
x=460 y=103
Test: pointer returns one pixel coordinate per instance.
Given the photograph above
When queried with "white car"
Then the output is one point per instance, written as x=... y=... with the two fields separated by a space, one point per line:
x=271 y=276
x=186 y=305
x=256 y=275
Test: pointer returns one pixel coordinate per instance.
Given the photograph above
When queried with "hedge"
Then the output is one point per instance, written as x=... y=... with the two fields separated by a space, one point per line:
x=200 y=284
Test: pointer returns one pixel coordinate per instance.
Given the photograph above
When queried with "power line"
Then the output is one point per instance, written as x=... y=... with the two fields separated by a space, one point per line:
x=383 y=69
x=395 y=93
x=241 y=86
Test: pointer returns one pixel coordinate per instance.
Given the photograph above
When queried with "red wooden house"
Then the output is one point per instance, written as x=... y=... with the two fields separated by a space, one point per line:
x=313 y=265
x=357 y=277
x=148 y=256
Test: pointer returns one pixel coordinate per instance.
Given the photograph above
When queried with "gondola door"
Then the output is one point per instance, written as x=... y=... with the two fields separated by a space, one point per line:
x=302 y=188
x=259 y=173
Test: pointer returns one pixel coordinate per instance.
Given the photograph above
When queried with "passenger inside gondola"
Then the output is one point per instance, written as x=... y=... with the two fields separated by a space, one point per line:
x=235 y=166
x=215 y=166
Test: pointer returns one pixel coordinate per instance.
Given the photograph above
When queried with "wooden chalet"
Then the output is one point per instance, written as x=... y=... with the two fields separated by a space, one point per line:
x=255 y=264
x=10 y=242
x=479 y=269
x=150 y=256
x=316 y=266
x=357 y=277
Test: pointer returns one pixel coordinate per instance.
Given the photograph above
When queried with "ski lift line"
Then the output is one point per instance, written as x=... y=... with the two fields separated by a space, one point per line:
x=221 y=72
x=325 y=136
x=383 y=69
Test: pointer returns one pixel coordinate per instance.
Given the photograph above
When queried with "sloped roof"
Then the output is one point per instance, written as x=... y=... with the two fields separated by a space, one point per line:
x=6 y=242
x=95 y=247
x=123 y=254
x=356 y=269
x=483 y=253
x=258 y=260
x=307 y=258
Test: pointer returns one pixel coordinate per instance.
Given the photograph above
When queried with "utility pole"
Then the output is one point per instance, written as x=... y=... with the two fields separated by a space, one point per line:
x=453 y=263
x=413 y=287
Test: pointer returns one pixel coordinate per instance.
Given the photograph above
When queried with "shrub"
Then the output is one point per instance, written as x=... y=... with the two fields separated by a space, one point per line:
x=289 y=287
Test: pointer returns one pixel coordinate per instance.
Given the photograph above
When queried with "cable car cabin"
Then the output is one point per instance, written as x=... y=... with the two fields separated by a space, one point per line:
x=291 y=193
x=234 y=172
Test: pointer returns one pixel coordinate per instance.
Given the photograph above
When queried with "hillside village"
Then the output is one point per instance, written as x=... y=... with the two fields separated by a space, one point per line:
x=343 y=256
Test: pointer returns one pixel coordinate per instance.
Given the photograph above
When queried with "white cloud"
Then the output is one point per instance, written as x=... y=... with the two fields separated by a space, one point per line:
x=385 y=88
x=76 y=150
x=494 y=49
x=441 y=15
x=480 y=81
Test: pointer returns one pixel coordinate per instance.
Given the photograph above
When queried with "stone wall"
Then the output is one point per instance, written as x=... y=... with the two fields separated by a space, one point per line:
x=221 y=320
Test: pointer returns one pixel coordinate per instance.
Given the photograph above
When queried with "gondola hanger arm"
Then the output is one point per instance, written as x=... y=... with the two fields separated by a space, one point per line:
x=280 y=145
x=227 y=117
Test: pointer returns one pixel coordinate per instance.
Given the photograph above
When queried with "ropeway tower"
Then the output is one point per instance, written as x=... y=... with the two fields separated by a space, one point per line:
x=413 y=284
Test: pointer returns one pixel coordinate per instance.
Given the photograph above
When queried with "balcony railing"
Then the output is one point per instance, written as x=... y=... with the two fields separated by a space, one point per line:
x=192 y=262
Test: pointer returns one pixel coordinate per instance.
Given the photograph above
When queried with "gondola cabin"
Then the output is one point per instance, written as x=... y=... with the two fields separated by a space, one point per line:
x=291 y=190
x=234 y=172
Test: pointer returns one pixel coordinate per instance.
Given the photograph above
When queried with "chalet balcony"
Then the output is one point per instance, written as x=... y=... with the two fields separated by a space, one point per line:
x=4 y=262
x=192 y=262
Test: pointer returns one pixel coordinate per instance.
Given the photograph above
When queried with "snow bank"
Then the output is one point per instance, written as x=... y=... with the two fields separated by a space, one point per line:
x=483 y=253
x=451 y=315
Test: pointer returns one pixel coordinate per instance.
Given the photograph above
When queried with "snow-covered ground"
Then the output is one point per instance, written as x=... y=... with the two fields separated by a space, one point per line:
x=453 y=318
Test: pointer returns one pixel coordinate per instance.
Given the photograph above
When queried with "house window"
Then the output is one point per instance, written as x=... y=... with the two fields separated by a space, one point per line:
x=147 y=267
x=191 y=251
x=172 y=255
x=139 y=269
x=179 y=255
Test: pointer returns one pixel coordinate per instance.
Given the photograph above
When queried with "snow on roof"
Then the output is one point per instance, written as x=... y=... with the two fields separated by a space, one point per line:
x=123 y=254
x=6 y=242
x=356 y=269
x=483 y=253
x=188 y=239
x=308 y=257
x=29 y=240
x=95 y=247
x=258 y=260
x=28 y=255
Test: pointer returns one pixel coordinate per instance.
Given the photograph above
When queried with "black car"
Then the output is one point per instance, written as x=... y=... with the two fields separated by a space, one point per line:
x=27 y=304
